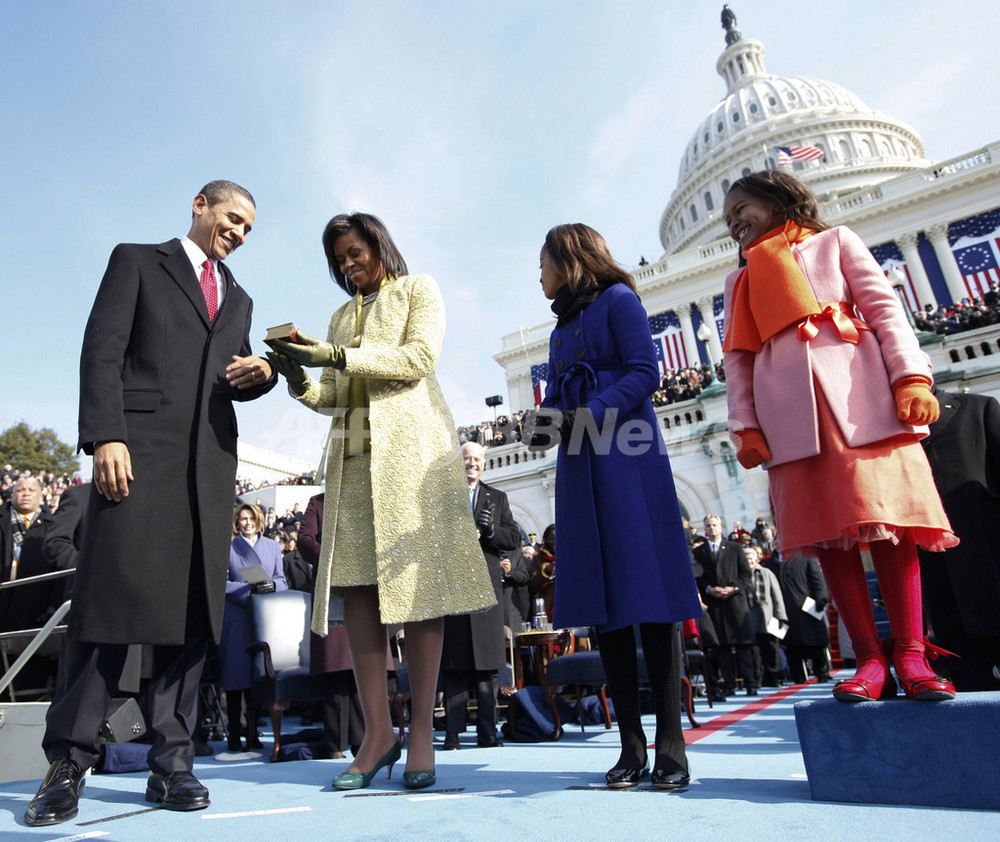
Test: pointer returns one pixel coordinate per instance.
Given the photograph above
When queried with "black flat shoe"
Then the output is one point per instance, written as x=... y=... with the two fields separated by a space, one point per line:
x=624 y=778
x=58 y=797
x=179 y=791
x=663 y=779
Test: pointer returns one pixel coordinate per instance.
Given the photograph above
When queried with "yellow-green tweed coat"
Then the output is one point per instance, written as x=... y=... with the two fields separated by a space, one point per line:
x=428 y=559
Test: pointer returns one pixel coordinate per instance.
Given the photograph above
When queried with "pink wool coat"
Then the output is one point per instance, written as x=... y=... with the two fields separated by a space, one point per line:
x=774 y=390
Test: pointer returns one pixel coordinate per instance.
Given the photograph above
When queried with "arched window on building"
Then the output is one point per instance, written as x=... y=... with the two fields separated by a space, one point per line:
x=725 y=186
x=708 y=201
x=845 y=151
x=694 y=213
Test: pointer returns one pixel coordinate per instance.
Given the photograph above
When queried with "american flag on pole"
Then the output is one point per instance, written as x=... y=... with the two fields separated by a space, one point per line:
x=538 y=374
x=788 y=155
x=668 y=343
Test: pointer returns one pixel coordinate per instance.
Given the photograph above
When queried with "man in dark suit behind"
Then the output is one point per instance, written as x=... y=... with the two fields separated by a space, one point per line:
x=474 y=643
x=723 y=582
x=165 y=353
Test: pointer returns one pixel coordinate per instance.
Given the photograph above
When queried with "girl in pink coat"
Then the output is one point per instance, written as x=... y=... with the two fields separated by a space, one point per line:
x=829 y=391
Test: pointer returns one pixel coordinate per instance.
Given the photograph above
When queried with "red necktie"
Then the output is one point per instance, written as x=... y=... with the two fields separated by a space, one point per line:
x=209 y=289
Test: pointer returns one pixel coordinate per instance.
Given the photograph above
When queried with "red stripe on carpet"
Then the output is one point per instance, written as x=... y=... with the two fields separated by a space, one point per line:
x=692 y=735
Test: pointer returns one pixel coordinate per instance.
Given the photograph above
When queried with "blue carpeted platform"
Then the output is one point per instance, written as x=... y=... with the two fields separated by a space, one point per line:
x=930 y=754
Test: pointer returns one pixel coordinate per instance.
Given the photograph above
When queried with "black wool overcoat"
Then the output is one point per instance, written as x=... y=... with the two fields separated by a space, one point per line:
x=963 y=449
x=152 y=375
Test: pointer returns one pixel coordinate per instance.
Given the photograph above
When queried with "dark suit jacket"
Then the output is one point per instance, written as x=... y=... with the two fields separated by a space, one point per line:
x=152 y=375
x=23 y=607
x=730 y=617
x=476 y=641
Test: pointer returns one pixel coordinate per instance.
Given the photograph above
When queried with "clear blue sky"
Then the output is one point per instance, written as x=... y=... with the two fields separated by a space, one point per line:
x=470 y=128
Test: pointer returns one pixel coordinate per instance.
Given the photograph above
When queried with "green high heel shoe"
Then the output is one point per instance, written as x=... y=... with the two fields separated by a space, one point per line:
x=419 y=780
x=359 y=780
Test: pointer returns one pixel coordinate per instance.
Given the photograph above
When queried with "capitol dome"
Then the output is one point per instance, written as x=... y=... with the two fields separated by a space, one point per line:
x=761 y=111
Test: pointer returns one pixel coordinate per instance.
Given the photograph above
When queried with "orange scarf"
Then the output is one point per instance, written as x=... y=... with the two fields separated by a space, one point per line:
x=771 y=292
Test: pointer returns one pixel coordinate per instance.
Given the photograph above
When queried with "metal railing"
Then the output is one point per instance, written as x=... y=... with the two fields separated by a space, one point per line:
x=38 y=636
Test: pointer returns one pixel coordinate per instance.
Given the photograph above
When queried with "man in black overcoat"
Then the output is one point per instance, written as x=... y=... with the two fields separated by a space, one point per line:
x=166 y=351
x=723 y=580
x=473 y=650
x=808 y=637
x=962 y=585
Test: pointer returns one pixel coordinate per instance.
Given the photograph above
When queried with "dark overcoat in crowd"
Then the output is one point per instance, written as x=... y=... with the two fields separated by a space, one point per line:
x=233 y=656
x=621 y=546
x=476 y=641
x=24 y=607
x=963 y=449
x=152 y=375
x=730 y=617
x=801 y=576
x=62 y=539
x=515 y=592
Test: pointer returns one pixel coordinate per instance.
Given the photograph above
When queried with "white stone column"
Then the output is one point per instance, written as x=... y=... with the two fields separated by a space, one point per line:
x=921 y=283
x=938 y=235
x=683 y=312
x=706 y=307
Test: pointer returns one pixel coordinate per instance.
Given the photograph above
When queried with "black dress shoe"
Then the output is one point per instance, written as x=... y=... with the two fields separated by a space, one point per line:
x=451 y=742
x=494 y=743
x=624 y=778
x=751 y=691
x=716 y=695
x=180 y=791
x=58 y=797
x=663 y=779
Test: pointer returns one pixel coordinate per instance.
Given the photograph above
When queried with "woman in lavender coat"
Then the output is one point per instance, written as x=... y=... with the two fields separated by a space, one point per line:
x=248 y=548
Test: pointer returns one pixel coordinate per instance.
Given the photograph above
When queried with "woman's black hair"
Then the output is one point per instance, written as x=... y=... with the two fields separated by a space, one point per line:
x=372 y=230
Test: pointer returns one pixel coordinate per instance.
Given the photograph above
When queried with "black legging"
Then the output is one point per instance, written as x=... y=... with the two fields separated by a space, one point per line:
x=662 y=653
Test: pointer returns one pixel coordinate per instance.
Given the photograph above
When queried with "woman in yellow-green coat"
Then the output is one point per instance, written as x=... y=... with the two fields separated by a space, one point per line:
x=399 y=541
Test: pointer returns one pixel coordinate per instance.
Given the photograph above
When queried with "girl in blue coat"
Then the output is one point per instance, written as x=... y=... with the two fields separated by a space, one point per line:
x=623 y=558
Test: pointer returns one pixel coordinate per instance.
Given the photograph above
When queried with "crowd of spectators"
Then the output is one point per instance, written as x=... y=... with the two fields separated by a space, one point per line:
x=243 y=486
x=687 y=383
x=675 y=385
x=52 y=485
x=967 y=314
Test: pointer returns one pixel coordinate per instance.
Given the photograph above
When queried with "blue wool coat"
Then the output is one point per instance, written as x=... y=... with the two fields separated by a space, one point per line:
x=622 y=552
x=235 y=638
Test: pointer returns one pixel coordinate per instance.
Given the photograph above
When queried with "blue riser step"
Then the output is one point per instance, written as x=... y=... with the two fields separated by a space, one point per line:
x=929 y=754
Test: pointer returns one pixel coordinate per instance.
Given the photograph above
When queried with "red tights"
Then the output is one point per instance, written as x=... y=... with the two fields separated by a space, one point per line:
x=898 y=571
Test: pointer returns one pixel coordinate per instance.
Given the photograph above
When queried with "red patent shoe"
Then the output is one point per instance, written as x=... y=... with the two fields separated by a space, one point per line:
x=872 y=680
x=934 y=689
x=856 y=689
x=909 y=659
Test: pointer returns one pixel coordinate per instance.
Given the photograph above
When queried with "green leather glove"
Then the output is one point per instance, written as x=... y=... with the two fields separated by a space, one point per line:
x=312 y=352
x=290 y=370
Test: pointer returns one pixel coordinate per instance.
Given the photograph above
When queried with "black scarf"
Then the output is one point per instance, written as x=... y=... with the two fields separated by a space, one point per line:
x=567 y=304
